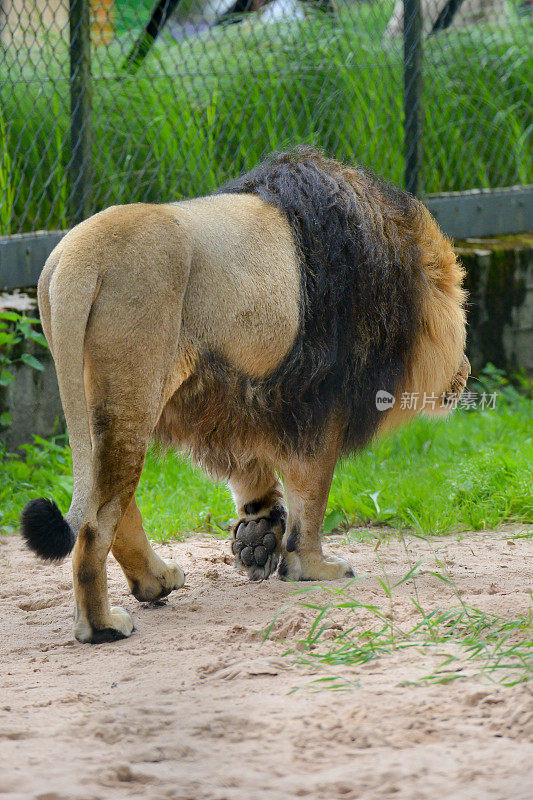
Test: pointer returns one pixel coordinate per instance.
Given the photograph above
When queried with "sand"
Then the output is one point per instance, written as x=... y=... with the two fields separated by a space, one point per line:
x=196 y=706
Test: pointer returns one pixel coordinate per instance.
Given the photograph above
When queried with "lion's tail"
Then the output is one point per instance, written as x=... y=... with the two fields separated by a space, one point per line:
x=66 y=295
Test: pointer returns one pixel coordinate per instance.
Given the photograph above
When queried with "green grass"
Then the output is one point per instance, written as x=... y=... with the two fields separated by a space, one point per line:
x=202 y=110
x=466 y=641
x=473 y=471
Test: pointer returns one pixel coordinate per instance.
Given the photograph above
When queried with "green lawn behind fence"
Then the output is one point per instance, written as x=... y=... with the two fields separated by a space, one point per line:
x=202 y=110
x=472 y=471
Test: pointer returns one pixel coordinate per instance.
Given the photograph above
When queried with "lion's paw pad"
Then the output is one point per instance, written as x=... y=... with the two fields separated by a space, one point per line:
x=254 y=548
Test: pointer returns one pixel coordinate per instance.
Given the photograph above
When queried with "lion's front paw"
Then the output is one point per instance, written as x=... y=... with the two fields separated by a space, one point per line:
x=256 y=545
x=119 y=625
x=314 y=567
x=156 y=585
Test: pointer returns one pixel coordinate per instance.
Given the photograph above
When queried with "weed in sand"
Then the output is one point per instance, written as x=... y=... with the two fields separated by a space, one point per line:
x=467 y=641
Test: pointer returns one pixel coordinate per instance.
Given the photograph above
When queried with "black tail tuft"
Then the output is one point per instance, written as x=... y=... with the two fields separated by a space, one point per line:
x=45 y=531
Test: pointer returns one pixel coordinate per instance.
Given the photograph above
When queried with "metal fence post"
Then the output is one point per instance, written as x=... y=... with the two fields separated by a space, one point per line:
x=81 y=166
x=412 y=93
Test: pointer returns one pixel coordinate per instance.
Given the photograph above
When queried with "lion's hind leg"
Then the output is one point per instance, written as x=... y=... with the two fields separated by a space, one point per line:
x=124 y=407
x=258 y=533
x=119 y=448
x=149 y=576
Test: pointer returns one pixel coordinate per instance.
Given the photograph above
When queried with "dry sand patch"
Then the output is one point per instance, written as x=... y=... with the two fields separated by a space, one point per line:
x=196 y=705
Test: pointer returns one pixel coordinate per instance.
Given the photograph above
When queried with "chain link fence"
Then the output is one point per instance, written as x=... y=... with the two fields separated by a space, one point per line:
x=119 y=101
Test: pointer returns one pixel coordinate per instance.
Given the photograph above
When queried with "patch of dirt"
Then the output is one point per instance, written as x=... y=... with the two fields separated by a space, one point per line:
x=195 y=706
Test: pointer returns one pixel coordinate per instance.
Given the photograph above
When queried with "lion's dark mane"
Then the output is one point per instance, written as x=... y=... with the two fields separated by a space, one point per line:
x=361 y=285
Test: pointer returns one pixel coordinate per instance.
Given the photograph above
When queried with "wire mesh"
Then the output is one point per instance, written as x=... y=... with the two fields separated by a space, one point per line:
x=179 y=96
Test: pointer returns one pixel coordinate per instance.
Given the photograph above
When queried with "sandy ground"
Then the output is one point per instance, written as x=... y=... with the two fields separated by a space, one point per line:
x=195 y=706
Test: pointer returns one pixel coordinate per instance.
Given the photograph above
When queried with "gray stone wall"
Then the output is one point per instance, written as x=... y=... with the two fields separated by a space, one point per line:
x=33 y=401
x=499 y=281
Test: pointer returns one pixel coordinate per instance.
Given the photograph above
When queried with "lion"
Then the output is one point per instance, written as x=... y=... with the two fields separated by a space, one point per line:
x=253 y=328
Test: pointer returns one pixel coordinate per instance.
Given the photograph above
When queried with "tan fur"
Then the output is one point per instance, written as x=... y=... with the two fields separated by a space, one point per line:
x=243 y=294
x=148 y=575
x=130 y=299
x=307 y=483
x=437 y=362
